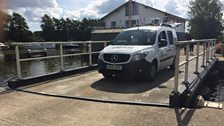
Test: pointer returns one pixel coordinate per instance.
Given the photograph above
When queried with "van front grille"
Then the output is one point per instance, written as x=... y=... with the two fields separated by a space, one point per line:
x=116 y=58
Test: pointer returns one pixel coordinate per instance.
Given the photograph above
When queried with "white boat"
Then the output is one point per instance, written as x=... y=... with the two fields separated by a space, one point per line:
x=70 y=45
x=39 y=46
x=3 y=46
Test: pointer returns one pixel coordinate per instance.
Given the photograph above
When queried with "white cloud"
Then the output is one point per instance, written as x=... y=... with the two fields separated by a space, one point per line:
x=33 y=10
x=109 y=5
x=35 y=14
x=176 y=7
x=33 y=3
x=90 y=11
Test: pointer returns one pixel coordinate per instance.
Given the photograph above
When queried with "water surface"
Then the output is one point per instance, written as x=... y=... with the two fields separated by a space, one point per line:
x=38 y=67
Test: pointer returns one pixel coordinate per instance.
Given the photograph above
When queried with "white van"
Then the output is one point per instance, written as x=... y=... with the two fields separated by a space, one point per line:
x=139 y=51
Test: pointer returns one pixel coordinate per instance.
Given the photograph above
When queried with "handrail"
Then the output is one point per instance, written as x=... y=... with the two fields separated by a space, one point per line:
x=67 y=42
x=61 y=55
x=193 y=41
x=208 y=53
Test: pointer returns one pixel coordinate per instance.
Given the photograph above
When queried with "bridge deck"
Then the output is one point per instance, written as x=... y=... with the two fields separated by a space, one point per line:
x=93 y=85
x=23 y=108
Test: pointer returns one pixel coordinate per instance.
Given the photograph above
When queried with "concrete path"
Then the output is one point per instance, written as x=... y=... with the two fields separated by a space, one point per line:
x=24 y=109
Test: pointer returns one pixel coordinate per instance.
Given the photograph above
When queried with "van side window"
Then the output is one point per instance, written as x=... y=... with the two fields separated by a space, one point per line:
x=170 y=35
x=162 y=40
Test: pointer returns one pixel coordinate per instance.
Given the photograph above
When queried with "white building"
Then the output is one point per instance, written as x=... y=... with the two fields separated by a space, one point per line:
x=140 y=15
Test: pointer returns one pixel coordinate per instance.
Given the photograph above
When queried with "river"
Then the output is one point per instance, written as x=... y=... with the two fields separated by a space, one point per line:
x=37 y=67
x=215 y=87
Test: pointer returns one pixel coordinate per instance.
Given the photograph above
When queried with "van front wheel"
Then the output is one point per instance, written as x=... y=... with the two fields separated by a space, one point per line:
x=152 y=72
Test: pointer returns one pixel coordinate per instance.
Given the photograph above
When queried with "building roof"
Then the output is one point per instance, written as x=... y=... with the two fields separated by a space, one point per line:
x=142 y=5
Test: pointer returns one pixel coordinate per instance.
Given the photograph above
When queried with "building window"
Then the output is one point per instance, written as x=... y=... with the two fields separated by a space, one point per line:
x=156 y=21
x=133 y=23
x=126 y=24
x=134 y=9
x=138 y=22
x=104 y=24
x=113 y=24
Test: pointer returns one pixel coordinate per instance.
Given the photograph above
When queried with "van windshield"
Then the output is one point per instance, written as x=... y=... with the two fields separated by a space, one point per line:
x=135 y=37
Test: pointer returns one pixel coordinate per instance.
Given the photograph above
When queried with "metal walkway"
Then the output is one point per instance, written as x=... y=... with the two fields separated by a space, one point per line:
x=92 y=86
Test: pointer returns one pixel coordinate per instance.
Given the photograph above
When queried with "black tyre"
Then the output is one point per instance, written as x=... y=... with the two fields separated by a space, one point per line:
x=152 y=72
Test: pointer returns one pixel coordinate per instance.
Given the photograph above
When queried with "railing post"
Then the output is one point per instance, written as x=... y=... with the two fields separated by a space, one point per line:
x=176 y=79
x=186 y=65
x=61 y=57
x=174 y=100
x=105 y=44
x=90 y=54
x=207 y=52
x=18 y=62
x=203 y=56
x=197 y=59
x=213 y=49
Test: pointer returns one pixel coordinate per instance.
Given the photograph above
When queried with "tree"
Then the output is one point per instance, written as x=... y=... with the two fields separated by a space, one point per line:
x=67 y=29
x=57 y=24
x=38 y=36
x=48 y=28
x=18 y=29
x=86 y=27
x=205 y=19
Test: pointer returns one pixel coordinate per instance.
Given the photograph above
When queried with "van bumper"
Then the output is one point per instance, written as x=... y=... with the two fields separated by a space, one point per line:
x=134 y=68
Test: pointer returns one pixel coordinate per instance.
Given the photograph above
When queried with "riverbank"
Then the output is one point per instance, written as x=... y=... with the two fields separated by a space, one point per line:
x=21 y=108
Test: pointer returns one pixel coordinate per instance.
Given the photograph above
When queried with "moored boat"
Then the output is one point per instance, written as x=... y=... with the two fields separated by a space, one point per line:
x=3 y=46
x=39 y=46
x=70 y=45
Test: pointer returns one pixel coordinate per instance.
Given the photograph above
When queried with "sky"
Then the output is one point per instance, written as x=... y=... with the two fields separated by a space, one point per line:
x=33 y=10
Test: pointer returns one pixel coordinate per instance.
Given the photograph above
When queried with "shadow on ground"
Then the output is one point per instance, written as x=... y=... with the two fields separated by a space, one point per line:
x=131 y=85
x=184 y=116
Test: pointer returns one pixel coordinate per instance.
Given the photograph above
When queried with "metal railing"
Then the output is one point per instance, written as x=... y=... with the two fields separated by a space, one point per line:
x=61 y=56
x=208 y=53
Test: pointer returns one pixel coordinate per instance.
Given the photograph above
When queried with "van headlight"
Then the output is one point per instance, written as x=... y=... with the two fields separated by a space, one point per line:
x=139 y=56
x=100 y=57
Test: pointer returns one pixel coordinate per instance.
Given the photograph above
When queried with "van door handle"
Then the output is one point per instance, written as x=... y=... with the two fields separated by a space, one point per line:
x=169 y=50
